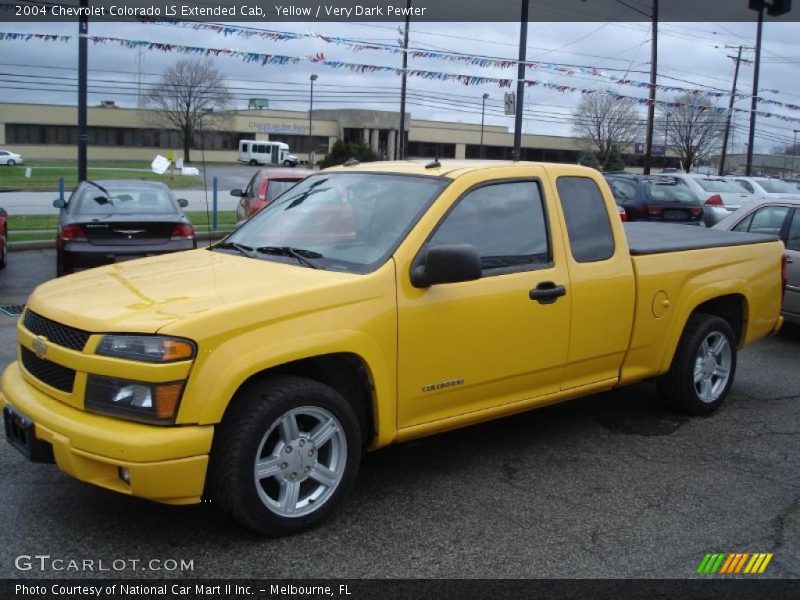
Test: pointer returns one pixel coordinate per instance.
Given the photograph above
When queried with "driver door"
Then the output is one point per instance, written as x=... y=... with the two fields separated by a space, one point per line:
x=475 y=345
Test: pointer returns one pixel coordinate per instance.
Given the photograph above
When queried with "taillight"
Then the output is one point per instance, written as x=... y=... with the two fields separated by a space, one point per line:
x=697 y=211
x=715 y=200
x=73 y=233
x=182 y=231
x=623 y=216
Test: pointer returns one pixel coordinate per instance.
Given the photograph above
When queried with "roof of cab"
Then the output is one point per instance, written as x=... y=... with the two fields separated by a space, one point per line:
x=447 y=168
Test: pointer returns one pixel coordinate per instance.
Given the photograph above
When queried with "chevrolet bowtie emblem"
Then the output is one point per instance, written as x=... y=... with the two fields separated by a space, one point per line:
x=40 y=346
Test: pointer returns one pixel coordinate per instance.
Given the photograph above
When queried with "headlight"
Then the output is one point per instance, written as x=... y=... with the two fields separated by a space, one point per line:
x=136 y=400
x=147 y=348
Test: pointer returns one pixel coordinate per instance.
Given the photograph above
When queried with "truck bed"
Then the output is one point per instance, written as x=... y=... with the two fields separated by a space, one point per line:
x=658 y=238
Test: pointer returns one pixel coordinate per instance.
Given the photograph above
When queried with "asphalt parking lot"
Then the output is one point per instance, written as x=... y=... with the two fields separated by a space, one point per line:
x=607 y=486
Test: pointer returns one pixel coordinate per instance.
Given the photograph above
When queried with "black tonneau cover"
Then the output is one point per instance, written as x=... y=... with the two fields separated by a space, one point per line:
x=657 y=238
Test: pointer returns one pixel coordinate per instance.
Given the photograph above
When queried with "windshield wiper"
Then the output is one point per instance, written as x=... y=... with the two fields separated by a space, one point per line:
x=302 y=255
x=99 y=187
x=241 y=248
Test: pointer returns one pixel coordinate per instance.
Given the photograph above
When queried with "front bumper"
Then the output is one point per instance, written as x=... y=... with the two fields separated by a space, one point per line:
x=165 y=464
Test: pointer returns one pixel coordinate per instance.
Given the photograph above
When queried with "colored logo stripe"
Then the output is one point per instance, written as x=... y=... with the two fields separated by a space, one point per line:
x=734 y=563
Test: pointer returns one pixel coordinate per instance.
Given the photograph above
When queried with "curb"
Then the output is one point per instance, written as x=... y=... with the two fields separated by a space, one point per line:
x=49 y=244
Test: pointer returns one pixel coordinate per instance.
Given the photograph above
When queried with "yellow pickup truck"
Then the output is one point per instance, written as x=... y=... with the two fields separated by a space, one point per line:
x=373 y=304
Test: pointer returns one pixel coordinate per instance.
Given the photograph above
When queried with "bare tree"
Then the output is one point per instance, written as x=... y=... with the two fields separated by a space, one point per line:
x=186 y=99
x=695 y=129
x=607 y=121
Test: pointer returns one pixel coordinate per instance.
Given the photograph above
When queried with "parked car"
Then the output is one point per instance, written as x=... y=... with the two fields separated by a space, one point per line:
x=10 y=158
x=264 y=187
x=3 y=238
x=780 y=217
x=104 y=222
x=793 y=181
x=766 y=187
x=656 y=198
x=720 y=196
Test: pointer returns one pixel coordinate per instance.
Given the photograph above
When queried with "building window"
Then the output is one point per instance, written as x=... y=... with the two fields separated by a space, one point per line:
x=430 y=150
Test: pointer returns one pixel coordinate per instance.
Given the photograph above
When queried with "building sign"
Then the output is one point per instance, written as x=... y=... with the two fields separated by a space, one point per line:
x=657 y=150
x=281 y=128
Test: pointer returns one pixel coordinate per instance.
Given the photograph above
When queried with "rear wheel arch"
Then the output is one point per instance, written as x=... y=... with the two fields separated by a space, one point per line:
x=733 y=308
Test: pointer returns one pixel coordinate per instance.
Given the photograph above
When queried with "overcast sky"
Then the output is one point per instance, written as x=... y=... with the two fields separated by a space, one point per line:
x=695 y=53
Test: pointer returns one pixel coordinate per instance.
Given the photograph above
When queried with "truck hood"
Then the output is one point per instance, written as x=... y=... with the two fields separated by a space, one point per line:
x=143 y=296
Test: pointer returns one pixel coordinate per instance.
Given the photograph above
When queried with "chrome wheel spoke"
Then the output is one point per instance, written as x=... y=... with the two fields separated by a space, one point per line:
x=718 y=346
x=268 y=467
x=289 y=496
x=721 y=371
x=704 y=389
x=323 y=432
x=288 y=428
x=698 y=371
x=324 y=475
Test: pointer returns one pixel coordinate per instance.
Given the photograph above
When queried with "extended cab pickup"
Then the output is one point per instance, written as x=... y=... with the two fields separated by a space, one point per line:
x=373 y=304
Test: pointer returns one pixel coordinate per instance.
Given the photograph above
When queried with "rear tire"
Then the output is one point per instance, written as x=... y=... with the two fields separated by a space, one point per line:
x=253 y=162
x=703 y=367
x=285 y=455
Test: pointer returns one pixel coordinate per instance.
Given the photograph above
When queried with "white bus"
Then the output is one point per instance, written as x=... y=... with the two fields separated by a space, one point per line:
x=257 y=152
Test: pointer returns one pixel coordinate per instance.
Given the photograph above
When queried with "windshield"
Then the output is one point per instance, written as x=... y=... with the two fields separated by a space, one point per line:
x=278 y=186
x=776 y=186
x=717 y=185
x=349 y=221
x=122 y=200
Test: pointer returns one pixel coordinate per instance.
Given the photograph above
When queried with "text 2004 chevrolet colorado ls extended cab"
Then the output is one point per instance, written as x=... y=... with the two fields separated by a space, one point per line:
x=373 y=304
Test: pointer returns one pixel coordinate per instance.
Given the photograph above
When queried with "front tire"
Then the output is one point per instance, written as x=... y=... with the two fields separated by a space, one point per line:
x=285 y=455
x=11 y=162
x=703 y=367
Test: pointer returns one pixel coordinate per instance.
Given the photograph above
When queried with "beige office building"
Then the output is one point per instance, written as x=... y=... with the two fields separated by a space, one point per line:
x=40 y=131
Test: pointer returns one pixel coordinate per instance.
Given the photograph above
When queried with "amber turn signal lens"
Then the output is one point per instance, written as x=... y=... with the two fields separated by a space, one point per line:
x=177 y=350
x=167 y=397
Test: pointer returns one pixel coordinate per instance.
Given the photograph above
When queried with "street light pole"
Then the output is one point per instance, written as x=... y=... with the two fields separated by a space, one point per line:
x=666 y=131
x=483 y=112
x=794 y=149
x=313 y=78
x=83 y=58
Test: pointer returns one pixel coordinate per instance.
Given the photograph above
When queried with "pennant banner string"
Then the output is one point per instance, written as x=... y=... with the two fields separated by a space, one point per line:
x=318 y=58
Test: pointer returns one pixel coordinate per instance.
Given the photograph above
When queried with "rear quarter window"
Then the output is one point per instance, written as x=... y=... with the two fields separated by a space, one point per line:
x=590 y=236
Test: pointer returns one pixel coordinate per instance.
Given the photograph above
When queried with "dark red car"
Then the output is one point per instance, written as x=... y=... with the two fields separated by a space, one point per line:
x=264 y=187
x=3 y=237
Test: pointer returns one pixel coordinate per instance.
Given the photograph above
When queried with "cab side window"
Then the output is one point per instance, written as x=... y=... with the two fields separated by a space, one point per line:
x=586 y=215
x=504 y=221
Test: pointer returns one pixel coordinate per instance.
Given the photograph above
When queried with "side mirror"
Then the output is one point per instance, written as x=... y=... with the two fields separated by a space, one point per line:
x=59 y=203
x=447 y=263
x=236 y=192
x=183 y=202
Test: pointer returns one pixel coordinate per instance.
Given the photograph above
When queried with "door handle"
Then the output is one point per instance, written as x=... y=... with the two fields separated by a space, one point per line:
x=547 y=292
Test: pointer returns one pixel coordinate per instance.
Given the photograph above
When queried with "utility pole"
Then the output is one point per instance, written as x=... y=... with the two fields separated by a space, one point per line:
x=83 y=66
x=401 y=138
x=748 y=170
x=311 y=152
x=483 y=113
x=651 y=103
x=523 y=43
x=730 y=113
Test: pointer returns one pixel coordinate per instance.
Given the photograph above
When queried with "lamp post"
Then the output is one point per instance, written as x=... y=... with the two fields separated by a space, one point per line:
x=666 y=131
x=794 y=149
x=313 y=78
x=483 y=113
